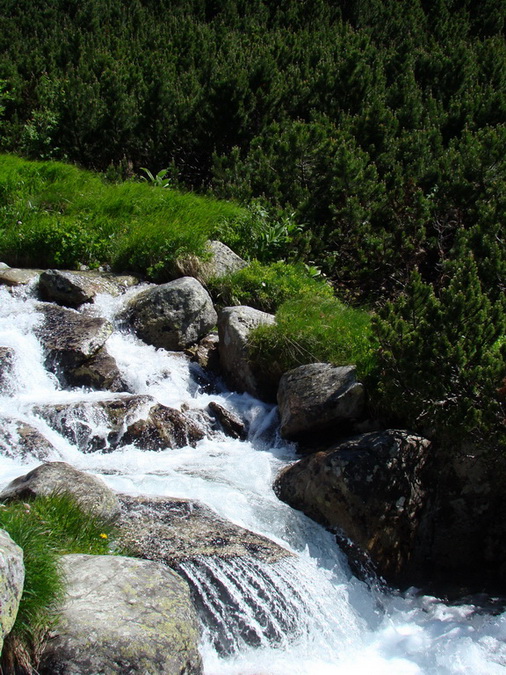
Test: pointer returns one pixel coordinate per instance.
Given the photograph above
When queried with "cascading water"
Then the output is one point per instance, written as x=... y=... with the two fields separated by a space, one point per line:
x=301 y=615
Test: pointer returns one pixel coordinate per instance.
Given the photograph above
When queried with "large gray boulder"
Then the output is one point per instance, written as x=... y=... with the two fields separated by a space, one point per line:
x=368 y=489
x=173 y=316
x=234 y=327
x=90 y=492
x=172 y=531
x=68 y=338
x=73 y=289
x=123 y=615
x=12 y=577
x=317 y=397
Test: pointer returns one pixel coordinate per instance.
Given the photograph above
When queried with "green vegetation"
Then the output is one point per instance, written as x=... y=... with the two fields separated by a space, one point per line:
x=45 y=529
x=55 y=215
x=314 y=329
x=266 y=287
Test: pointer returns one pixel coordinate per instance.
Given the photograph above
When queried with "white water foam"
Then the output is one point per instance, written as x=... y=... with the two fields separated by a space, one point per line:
x=306 y=615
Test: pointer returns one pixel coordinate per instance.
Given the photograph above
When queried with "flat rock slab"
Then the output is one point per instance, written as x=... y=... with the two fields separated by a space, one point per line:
x=14 y=276
x=123 y=615
x=174 y=530
x=12 y=577
x=90 y=492
x=73 y=289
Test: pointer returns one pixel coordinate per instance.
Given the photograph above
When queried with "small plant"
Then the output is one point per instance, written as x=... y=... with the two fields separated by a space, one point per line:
x=158 y=180
x=45 y=529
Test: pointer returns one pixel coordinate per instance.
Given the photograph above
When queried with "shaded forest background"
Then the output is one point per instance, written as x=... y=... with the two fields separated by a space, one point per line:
x=371 y=131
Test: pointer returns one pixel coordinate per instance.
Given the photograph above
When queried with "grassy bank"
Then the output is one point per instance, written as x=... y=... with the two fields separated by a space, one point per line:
x=55 y=215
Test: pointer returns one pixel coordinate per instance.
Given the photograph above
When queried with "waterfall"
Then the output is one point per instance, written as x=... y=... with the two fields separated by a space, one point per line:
x=303 y=614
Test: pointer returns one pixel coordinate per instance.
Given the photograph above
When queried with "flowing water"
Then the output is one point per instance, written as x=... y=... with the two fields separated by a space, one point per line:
x=303 y=615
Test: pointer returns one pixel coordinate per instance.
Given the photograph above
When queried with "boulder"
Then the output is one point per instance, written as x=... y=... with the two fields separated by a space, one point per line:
x=123 y=615
x=132 y=419
x=173 y=531
x=163 y=428
x=19 y=440
x=206 y=353
x=7 y=355
x=234 y=326
x=231 y=424
x=12 y=577
x=90 y=492
x=222 y=261
x=73 y=289
x=14 y=276
x=68 y=338
x=99 y=372
x=368 y=489
x=173 y=316
x=317 y=397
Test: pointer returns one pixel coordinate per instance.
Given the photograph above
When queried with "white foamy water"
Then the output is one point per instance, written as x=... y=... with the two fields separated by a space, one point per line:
x=305 y=615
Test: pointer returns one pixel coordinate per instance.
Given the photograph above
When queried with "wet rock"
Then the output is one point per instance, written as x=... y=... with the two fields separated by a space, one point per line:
x=173 y=316
x=163 y=428
x=368 y=489
x=107 y=425
x=174 y=530
x=206 y=353
x=70 y=339
x=123 y=615
x=73 y=289
x=234 y=326
x=222 y=261
x=231 y=424
x=318 y=396
x=99 y=372
x=89 y=491
x=7 y=355
x=14 y=276
x=19 y=440
x=12 y=577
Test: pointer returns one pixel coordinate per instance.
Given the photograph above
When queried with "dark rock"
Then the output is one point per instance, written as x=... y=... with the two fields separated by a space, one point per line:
x=174 y=530
x=123 y=615
x=368 y=489
x=318 y=397
x=206 y=353
x=173 y=316
x=163 y=428
x=73 y=289
x=89 y=491
x=70 y=339
x=234 y=326
x=232 y=425
x=99 y=372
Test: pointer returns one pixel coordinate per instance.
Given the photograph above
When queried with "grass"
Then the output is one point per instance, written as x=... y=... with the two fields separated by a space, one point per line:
x=314 y=329
x=45 y=529
x=56 y=215
x=266 y=287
